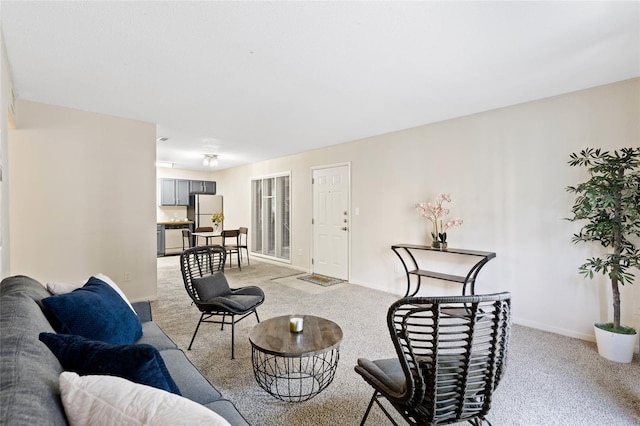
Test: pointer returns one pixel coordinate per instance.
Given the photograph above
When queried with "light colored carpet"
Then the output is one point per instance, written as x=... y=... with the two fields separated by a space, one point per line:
x=550 y=379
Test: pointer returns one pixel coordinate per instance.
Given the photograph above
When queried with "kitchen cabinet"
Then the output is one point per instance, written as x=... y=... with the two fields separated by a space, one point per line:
x=160 y=236
x=174 y=192
x=169 y=236
x=202 y=187
x=167 y=192
x=182 y=192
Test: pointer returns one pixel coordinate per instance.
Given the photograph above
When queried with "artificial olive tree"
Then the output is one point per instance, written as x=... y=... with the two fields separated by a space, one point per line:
x=610 y=203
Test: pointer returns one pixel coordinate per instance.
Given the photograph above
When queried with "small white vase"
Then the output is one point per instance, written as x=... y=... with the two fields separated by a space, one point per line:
x=615 y=346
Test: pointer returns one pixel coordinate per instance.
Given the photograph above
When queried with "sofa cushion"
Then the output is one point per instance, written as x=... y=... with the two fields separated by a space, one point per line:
x=154 y=336
x=112 y=400
x=24 y=285
x=95 y=311
x=143 y=309
x=28 y=372
x=191 y=382
x=138 y=363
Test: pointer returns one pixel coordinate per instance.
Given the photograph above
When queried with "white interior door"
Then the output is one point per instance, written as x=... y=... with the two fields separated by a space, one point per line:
x=331 y=221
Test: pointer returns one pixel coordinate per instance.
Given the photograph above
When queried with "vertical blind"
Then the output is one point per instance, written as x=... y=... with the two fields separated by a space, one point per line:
x=270 y=216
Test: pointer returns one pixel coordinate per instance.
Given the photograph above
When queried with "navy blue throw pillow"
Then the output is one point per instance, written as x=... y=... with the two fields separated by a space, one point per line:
x=138 y=363
x=95 y=311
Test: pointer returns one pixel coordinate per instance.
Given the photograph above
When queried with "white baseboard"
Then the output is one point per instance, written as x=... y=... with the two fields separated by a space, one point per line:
x=555 y=330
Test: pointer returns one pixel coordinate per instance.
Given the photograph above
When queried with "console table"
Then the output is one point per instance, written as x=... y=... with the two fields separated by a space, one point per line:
x=468 y=280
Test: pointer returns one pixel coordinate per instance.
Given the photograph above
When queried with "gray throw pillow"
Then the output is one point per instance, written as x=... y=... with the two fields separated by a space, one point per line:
x=211 y=286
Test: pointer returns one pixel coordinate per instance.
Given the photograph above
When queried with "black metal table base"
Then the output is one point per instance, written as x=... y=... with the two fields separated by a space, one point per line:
x=295 y=379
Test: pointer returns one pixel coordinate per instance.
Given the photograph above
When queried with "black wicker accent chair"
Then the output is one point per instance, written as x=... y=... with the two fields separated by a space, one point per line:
x=452 y=353
x=203 y=274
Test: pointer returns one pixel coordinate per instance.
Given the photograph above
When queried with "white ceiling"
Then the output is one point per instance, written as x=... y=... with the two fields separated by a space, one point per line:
x=257 y=80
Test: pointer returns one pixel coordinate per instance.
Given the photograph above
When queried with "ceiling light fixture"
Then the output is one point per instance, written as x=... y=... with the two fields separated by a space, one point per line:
x=210 y=160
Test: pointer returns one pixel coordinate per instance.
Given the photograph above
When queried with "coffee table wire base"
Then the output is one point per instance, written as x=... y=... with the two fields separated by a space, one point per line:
x=294 y=379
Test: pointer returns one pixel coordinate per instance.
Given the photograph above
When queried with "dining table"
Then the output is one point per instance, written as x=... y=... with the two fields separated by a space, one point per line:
x=207 y=236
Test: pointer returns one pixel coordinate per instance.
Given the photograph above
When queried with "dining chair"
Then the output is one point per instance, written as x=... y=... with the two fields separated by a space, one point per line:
x=233 y=246
x=451 y=354
x=187 y=238
x=243 y=242
x=203 y=229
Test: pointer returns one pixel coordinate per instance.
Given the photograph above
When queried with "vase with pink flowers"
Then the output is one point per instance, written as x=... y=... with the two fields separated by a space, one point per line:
x=436 y=213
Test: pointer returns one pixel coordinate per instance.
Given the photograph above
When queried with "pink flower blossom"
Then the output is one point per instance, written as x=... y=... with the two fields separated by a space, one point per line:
x=436 y=213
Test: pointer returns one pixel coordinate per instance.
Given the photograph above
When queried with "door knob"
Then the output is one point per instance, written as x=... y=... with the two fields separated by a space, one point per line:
x=345 y=229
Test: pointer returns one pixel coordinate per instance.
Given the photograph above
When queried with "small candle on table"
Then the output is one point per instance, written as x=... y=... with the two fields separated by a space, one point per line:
x=295 y=324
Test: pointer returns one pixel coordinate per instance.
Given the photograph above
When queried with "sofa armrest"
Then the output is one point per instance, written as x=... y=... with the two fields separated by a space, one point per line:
x=143 y=309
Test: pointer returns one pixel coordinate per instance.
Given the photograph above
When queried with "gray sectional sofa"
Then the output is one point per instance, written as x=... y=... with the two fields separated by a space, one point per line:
x=29 y=392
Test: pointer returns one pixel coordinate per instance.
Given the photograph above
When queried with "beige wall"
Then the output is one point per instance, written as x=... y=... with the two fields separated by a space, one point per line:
x=5 y=101
x=82 y=197
x=87 y=182
x=506 y=171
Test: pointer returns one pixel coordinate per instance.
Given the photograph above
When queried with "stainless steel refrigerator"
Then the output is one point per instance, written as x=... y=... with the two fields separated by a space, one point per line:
x=201 y=207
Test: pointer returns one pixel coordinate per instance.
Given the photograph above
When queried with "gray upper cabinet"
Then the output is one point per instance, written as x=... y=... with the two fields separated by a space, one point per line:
x=202 y=187
x=182 y=192
x=167 y=192
x=174 y=192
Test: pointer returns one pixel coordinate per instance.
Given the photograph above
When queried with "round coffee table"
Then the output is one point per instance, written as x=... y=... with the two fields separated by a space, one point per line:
x=295 y=367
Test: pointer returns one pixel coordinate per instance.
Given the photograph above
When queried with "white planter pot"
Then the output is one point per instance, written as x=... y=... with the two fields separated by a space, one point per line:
x=615 y=346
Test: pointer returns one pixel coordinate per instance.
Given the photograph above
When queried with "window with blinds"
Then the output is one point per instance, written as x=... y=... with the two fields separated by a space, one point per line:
x=270 y=216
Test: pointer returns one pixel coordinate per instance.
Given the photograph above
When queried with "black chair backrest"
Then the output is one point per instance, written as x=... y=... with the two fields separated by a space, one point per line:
x=230 y=233
x=453 y=351
x=204 y=229
x=199 y=262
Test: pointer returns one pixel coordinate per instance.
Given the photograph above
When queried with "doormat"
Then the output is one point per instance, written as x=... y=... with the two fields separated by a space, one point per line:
x=322 y=280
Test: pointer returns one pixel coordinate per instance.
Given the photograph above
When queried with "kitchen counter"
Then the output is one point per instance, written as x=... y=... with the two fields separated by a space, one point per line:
x=170 y=236
x=176 y=222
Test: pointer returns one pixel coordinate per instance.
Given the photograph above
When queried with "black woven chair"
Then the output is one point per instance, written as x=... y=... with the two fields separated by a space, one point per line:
x=452 y=354
x=203 y=274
